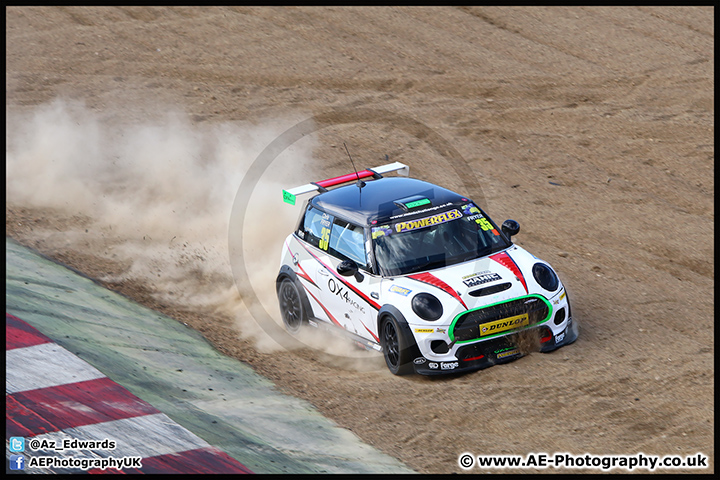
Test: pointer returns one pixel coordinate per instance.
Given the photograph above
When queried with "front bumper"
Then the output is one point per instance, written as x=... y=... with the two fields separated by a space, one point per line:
x=479 y=355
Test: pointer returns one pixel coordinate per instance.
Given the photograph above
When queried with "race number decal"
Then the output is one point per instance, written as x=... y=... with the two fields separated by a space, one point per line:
x=324 y=238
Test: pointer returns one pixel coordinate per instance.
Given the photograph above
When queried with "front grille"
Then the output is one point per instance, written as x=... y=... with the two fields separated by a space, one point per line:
x=500 y=318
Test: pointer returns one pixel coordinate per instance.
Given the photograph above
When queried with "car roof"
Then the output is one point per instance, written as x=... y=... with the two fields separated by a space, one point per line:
x=375 y=202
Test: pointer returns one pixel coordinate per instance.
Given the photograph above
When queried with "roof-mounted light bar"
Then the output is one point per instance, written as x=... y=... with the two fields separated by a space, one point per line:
x=322 y=186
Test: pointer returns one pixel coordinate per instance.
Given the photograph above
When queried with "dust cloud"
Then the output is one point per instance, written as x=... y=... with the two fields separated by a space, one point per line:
x=157 y=197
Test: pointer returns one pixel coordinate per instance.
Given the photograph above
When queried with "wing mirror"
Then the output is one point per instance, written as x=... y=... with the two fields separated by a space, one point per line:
x=347 y=268
x=510 y=228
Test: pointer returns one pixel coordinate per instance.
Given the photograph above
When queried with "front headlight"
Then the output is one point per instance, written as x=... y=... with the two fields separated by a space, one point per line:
x=427 y=307
x=545 y=277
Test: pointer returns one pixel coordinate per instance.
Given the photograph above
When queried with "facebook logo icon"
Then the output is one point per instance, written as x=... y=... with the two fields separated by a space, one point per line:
x=17 y=462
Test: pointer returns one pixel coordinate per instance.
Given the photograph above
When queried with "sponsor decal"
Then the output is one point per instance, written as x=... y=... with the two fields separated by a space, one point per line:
x=423 y=330
x=341 y=292
x=427 y=221
x=448 y=365
x=400 y=290
x=504 y=324
x=559 y=337
x=433 y=365
x=429 y=209
x=465 y=277
x=441 y=330
x=381 y=231
x=419 y=361
x=480 y=278
x=504 y=350
x=507 y=353
x=470 y=209
x=473 y=213
x=326 y=220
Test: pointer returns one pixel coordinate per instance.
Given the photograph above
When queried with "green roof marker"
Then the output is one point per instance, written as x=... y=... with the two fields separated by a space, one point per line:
x=417 y=203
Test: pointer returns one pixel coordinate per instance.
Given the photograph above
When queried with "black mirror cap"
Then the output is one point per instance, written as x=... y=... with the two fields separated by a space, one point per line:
x=510 y=228
x=347 y=268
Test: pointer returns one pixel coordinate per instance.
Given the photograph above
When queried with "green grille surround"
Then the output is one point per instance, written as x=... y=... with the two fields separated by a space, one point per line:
x=467 y=322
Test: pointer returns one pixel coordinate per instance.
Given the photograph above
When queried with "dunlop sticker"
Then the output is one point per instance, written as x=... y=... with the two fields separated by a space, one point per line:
x=504 y=324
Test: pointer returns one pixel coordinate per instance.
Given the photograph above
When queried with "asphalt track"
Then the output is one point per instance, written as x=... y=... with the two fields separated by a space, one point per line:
x=83 y=362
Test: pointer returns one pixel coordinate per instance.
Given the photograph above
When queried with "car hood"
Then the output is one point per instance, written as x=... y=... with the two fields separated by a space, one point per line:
x=480 y=282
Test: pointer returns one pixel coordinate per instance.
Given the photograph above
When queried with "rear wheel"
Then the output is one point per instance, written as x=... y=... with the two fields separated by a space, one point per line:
x=291 y=306
x=395 y=347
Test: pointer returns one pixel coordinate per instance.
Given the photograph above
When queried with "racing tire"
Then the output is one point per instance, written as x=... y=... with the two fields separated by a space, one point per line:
x=395 y=346
x=292 y=308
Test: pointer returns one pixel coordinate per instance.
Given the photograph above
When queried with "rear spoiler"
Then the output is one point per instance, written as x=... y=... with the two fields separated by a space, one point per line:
x=322 y=186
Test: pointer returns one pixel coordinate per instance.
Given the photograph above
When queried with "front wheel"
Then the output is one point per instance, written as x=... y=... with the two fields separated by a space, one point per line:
x=291 y=306
x=395 y=347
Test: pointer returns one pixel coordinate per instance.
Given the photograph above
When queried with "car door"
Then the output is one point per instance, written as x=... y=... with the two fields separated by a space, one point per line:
x=349 y=297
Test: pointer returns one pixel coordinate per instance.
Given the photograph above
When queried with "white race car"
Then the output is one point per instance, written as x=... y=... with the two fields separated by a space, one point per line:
x=419 y=273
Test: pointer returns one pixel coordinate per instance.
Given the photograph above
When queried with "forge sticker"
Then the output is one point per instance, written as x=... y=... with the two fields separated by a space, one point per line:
x=504 y=324
x=428 y=221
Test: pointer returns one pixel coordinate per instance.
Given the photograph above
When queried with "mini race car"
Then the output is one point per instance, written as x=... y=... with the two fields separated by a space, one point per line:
x=417 y=272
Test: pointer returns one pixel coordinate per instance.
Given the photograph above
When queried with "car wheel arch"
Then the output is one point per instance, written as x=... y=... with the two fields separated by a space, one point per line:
x=392 y=311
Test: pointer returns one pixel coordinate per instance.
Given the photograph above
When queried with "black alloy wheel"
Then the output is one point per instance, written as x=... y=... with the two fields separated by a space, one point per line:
x=291 y=307
x=394 y=350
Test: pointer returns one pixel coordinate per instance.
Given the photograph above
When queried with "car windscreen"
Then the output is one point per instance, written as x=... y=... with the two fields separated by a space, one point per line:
x=435 y=238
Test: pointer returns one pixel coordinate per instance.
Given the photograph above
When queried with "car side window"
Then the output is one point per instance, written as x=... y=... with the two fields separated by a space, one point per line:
x=347 y=241
x=316 y=228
